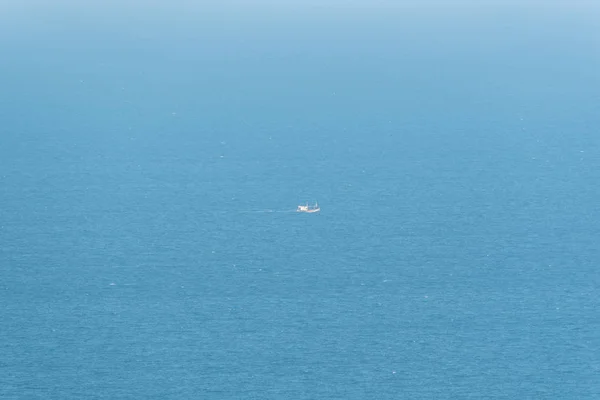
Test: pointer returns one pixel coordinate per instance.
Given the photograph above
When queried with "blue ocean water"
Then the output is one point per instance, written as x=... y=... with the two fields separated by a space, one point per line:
x=150 y=166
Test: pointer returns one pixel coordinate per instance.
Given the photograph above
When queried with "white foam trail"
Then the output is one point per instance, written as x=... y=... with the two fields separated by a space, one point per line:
x=269 y=211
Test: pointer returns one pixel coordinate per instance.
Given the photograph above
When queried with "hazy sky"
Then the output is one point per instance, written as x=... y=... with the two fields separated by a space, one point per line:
x=35 y=15
x=41 y=8
x=42 y=23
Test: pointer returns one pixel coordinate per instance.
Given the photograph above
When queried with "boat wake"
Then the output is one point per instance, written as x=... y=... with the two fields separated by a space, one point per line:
x=269 y=211
x=301 y=208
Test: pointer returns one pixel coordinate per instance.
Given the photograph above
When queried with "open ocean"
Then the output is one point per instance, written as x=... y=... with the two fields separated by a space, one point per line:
x=151 y=159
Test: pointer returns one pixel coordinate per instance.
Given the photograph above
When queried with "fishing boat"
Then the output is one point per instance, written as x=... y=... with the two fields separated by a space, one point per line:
x=308 y=209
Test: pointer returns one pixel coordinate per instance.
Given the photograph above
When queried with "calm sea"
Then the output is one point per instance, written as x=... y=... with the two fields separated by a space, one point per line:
x=151 y=163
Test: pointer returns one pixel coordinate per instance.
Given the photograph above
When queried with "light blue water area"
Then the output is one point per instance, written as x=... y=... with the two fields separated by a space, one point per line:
x=149 y=175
